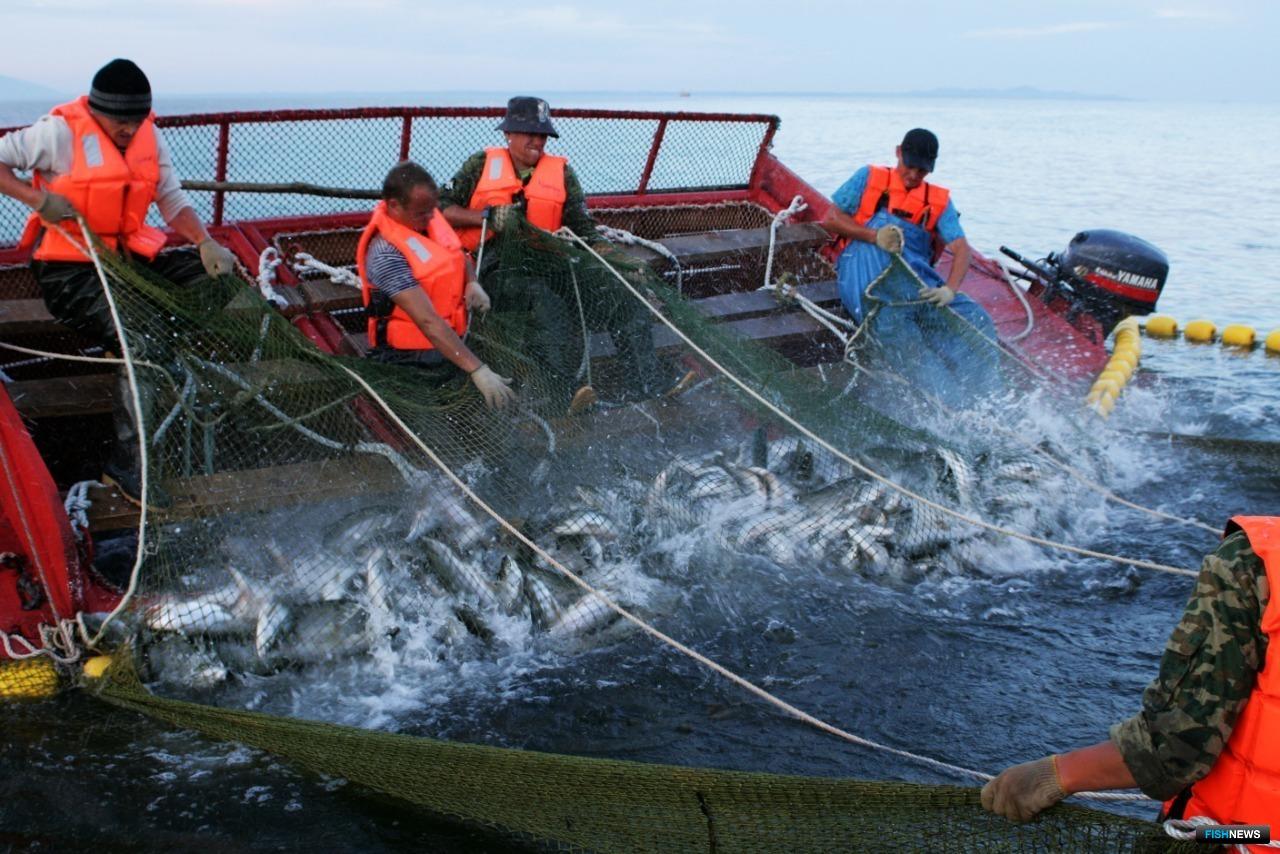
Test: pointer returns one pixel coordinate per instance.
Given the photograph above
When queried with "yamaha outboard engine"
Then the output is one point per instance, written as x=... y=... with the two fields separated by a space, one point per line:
x=1106 y=273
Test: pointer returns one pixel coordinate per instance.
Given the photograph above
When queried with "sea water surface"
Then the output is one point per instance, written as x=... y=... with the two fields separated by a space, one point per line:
x=1041 y=655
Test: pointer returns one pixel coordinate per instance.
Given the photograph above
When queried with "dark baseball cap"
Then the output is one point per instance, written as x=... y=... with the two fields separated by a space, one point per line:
x=528 y=115
x=920 y=149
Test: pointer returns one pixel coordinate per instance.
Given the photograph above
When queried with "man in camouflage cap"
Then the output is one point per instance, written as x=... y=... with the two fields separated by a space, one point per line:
x=1200 y=742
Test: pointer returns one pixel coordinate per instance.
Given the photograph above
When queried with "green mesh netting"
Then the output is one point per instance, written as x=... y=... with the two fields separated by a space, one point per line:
x=307 y=527
x=584 y=804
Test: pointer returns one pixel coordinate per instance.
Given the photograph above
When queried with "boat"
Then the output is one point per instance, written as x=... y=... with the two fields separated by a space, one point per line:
x=703 y=191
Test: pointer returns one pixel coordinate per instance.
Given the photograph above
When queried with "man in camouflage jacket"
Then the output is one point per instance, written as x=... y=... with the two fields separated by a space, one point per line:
x=1188 y=711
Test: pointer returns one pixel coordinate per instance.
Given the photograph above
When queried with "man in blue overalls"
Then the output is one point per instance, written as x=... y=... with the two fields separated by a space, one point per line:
x=885 y=210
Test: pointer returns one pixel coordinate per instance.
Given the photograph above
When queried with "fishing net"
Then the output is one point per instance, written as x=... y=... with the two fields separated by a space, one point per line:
x=374 y=523
x=371 y=520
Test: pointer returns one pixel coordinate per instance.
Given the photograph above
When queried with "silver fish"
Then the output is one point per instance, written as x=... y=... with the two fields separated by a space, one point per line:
x=543 y=604
x=209 y=614
x=176 y=660
x=586 y=523
x=272 y=620
x=585 y=615
x=459 y=576
x=510 y=580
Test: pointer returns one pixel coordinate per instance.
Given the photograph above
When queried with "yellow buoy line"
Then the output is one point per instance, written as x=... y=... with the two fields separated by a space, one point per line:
x=1120 y=367
x=1238 y=335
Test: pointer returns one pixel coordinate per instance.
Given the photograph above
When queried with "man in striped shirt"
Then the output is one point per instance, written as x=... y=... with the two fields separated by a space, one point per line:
x=418 y=285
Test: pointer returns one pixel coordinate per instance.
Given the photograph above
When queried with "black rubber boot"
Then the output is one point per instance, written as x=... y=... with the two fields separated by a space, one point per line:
x=123 y=469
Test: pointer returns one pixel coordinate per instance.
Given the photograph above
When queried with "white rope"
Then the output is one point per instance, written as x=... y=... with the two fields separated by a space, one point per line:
x=268 y=261
x=797 y=205
x=77 y=504
x=1022 y=298
x=304 y=262
x=621 y=235
x=135 y=396
x=664 y=638
x=569 y=236
x=1184 y=829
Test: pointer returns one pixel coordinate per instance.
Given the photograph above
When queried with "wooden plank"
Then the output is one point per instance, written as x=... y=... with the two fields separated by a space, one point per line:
x=253 y=490
x=755 y=303
x=780 y=330
x=56 y=397
x=27 y=316
x=324 y=295
x=709 y=245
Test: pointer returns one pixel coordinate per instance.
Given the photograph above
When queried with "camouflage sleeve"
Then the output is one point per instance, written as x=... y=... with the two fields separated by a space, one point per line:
x=576 y=216
x=1205 y=677
x=460 y=187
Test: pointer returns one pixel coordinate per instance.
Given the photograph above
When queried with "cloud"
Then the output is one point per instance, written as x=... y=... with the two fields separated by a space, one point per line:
x=1192 y=15
x=1040 y=32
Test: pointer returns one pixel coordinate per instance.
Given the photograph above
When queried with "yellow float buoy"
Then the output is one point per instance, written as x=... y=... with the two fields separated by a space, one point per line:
x=28 y=679
x=1122 y=366
x=1273 y=342
x=96 y=666
x=1103 y=386
x=1161 y=326
x=1238 y=335
x=1200 y=331
x=1113 y=375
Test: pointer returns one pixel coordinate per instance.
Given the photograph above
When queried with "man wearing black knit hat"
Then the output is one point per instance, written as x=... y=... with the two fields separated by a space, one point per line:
x=101 y=157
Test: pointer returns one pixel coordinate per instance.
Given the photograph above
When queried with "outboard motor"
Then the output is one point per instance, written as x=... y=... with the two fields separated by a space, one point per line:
x=1106 y=273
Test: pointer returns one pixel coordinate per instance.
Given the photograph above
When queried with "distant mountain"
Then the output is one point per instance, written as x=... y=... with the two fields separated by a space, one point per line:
x=1013 y=93
x=13 y=89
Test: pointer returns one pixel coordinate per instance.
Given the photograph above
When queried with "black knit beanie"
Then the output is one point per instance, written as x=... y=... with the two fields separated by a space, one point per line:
x=120 y=90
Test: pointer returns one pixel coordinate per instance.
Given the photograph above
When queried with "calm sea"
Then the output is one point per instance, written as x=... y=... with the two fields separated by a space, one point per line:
x=1054 y=653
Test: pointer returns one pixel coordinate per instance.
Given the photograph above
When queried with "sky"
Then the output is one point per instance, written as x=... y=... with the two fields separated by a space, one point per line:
x=1148 y=49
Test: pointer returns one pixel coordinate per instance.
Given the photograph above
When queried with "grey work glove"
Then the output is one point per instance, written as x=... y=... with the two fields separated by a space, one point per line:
x=495 y=390
x=55 y=208
x=217 y=259
x=938 y=296
x=1022 y=792
x=503 y=216
x=476 y=298
x=889 y=238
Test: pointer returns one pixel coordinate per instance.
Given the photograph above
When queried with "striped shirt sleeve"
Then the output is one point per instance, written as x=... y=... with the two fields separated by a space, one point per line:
x=387 y=269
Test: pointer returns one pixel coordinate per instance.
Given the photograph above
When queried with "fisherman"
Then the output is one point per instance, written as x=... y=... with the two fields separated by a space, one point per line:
x=1203 y=742
x=102 y=157
x=503 y=190
x=885 y=211
x=418 y=285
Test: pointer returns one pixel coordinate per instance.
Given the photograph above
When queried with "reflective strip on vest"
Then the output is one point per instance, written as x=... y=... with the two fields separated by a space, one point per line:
x=437 y=263
x=1243 y=786
x=113 y=191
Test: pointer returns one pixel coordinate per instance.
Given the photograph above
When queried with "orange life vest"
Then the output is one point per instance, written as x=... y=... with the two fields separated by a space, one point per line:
x=112 y=191
x=1243 y=787
x=436 y=260
x=922 y=206
x=544 y=195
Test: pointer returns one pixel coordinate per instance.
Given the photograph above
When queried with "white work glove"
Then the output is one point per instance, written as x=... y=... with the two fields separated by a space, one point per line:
x=889 y=238
x=1024 y=791
x=217 y=259
x=502 y=216
x=938 y=296
x=495 y=390
x=476 y=298
x=55 y=208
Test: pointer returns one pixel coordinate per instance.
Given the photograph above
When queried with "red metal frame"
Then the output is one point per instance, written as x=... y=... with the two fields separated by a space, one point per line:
x=224 y=121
